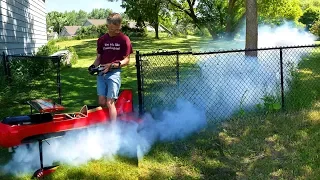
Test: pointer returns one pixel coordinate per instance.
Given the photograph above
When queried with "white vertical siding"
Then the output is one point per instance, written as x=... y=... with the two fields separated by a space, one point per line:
x=22 y=26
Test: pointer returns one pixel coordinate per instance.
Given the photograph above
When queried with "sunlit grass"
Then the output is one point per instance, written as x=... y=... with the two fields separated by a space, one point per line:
x=305 y=86
x=275 y=146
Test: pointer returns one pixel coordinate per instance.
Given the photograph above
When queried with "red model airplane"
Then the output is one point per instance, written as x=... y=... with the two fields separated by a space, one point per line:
x=18 y=130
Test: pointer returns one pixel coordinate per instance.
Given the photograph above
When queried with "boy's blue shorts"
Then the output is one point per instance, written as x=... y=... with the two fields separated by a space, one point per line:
x=109 y=84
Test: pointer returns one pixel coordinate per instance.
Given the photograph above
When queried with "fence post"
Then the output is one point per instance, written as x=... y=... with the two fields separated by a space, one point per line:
x=282 y=81
x=139 y=81
x=177 y=70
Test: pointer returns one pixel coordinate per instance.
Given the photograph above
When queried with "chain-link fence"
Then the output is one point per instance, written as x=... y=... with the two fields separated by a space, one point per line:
x=227 y=83
x=25 y=78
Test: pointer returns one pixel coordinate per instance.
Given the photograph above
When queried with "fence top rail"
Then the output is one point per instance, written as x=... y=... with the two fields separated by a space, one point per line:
x=224 y=51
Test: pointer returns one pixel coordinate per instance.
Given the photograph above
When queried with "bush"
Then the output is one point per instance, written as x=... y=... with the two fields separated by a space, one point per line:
x=71 y=58
x=315 y=28
x=48 y=49
x=134 y=32
x=310 y=16
x=92 y=31
x=101 y=30
x=32 y=68
x=51 y=48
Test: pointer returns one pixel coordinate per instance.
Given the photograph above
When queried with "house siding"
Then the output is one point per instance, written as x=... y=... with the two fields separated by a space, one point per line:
x=22 y=26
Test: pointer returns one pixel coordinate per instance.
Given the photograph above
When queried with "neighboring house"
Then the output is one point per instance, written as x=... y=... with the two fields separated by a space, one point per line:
x=69 y=31
x=96 y=22
x=22 y=26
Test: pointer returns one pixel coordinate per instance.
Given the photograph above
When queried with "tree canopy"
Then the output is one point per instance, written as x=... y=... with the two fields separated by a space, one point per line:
x=217 y=18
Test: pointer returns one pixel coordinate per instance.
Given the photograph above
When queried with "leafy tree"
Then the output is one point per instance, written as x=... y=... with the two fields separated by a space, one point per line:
x=181 y=22
x=235 y=13
x=99 y=13
x=57 y=20
x=310 y=16
x=215 y=15
x=187 y=7
x=277 y=11
x=82 y=16
x=146 y=11
x=71 y=18
x=305 y=4
x=269 y=12
x=212 y=15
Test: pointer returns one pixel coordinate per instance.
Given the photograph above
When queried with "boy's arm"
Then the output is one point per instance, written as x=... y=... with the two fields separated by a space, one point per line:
x=99 y=51
x=97 y=61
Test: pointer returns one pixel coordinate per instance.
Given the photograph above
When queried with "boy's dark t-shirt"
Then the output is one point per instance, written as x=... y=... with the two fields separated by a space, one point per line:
x=113 y=49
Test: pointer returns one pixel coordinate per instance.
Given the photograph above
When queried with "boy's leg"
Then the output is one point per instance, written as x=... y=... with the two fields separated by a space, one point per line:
x=102 y=91
x=112 y=109
x=114 y=84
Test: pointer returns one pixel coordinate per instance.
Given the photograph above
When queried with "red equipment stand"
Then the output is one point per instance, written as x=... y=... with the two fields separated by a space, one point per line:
x=43 y=171
x=43 y=106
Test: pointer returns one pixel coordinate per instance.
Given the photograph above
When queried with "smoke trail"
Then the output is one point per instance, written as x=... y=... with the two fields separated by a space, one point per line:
x=105 y=141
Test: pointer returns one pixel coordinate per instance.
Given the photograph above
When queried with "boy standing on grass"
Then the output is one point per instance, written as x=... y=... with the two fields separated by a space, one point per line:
x=113 y=52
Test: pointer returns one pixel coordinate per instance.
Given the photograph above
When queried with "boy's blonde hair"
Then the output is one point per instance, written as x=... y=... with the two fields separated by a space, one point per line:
x=114 y=18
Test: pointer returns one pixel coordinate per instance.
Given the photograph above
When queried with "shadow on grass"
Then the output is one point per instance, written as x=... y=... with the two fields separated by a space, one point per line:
x=279 y=146
x=200 y=156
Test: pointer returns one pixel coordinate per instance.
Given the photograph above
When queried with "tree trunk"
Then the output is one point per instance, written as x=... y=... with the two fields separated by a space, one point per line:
x=251 y=27
x=230 y=20
x=156 y=28
x=156 y=19
x=212 y=33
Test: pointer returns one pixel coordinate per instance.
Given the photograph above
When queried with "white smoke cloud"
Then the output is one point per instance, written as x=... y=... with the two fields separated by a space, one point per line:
x=231 y=80
x=105 y=141
x=285 y=35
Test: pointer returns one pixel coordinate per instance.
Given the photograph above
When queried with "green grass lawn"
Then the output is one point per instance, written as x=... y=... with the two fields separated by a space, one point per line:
x=271 y=146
